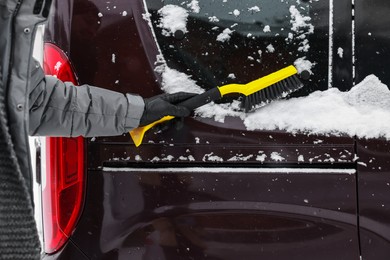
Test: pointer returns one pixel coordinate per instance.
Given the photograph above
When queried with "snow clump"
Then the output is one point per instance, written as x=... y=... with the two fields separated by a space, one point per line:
x=225 y=35
x=173 y=18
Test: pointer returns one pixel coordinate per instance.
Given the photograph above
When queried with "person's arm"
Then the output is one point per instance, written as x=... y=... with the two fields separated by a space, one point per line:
x=61 y=109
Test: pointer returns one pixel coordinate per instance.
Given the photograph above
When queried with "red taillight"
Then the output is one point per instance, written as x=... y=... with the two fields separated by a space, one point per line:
x=63 y=192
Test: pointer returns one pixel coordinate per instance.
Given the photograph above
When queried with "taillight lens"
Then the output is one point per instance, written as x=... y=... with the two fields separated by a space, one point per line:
x=63 y=194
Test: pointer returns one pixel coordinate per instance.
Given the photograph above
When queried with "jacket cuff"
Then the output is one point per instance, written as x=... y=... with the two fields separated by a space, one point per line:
x=135 y=110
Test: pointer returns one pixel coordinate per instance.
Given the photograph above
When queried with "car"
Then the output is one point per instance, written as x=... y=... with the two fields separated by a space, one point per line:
x=207 y=187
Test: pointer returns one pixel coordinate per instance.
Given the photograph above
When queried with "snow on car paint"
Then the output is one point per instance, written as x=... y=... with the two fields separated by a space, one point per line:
x=211 y=157
x=186 y=158
x=363 y=111
x=277 y=157
x=270 y=48
x=240 y=157
x=274 y=156
x=261 y=157
x=234 y=170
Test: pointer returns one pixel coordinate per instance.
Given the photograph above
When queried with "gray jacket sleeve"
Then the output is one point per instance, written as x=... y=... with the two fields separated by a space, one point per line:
x=62 y=109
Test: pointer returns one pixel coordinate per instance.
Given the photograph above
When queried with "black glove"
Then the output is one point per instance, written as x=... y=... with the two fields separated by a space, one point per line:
x=164 y=105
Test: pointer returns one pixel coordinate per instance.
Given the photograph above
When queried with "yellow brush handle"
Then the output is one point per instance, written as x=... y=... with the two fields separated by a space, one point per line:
x=259 y=84
x=138 y=133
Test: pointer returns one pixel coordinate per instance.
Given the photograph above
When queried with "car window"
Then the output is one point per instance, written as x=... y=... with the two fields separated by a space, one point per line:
x=219 y=42
x=212 y=43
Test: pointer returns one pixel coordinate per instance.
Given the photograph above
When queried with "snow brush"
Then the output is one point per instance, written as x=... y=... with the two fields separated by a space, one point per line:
x=256 y=94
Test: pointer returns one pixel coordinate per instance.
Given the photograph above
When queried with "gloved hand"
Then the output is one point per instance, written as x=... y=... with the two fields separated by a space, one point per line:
x=164 y=105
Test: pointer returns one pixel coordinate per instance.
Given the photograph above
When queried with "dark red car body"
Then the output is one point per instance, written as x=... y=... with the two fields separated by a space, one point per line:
x=168 y=199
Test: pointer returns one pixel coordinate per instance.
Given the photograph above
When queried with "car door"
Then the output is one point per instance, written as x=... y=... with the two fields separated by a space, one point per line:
x=372 y=57
x=208 y=187
x=212 y=188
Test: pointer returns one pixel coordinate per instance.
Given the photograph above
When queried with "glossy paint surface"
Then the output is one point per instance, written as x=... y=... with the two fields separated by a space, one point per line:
x=300 y=204
x=219 y=215
x=374 y=198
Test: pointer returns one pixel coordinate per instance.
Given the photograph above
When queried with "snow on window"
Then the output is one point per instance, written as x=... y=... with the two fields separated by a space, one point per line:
x=213 y=19
x=300 y=23
x=173 y=18
x=254 y=9
x=186 y=158
x=225 y=35
x=340 y=52
x=231 y=76
x=302 y=64
x=267 y=28
x=301 y=26
x=236 y=13
x=194 y=6
x=304 y=46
